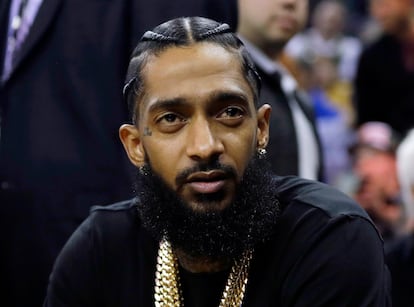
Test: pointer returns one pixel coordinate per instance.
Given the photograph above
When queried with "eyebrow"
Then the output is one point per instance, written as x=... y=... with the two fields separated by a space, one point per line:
x=228 y=96
x=219 y=96
x=167 y=103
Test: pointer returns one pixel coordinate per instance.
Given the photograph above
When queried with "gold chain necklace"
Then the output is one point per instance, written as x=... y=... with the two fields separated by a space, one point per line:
x=167 y=282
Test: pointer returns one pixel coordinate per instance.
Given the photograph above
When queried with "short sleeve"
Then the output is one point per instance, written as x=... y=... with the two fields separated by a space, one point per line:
x=344 y=266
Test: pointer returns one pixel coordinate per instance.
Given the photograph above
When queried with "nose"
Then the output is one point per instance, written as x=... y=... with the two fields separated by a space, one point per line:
x=203 y=142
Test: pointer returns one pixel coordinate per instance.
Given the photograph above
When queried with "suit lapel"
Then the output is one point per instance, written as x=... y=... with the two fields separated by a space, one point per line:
x=46 y=14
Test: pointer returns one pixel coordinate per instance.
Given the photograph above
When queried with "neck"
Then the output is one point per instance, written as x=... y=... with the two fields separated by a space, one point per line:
x=410 y=34
x=404 y=31
x=272 y=49
x=201 y=264
x=406 y=35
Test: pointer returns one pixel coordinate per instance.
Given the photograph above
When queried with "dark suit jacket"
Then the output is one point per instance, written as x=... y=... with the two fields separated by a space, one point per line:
x=400 y=260
x=61 y=110
x=384 y=87
x=282 y=150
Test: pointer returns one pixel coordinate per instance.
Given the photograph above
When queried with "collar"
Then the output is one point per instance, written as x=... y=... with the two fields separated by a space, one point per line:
x=269 y=66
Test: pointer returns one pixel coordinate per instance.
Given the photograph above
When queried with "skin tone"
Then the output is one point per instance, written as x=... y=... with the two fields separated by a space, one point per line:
x=269 y=24
x=379 y=181
x=197 y=107
x=395 y=16
x=329 y=19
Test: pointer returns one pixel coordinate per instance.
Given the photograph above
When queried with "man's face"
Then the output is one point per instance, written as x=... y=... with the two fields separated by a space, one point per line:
x=379 y=186
x=391 y=14
x=265 y=22
x=198 y=127
x=329 y=19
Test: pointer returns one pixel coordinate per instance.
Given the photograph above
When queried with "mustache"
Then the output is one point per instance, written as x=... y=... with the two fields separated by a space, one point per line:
x=249 y=220
x=227 y=170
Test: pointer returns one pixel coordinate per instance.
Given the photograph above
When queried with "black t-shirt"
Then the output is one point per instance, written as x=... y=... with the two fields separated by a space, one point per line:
x=203 y=289
x=325 y=252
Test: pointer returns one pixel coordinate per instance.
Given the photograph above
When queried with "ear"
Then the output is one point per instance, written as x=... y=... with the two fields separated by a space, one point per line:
x=263 y=120
x=131 y=140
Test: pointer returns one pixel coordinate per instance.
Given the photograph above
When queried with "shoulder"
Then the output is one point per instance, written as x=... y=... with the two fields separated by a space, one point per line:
x=316 y=210
x=112 y=220
x=332 y=202
x=380 y=47
x=107 y=230
x=123 y=208
x=321 y=205
x=324 y=242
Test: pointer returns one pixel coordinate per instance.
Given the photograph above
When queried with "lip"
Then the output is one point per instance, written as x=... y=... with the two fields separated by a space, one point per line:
x=207 y=187
x=207 y=182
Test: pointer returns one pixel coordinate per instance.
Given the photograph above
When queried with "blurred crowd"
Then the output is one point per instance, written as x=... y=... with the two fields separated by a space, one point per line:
x=354 y=60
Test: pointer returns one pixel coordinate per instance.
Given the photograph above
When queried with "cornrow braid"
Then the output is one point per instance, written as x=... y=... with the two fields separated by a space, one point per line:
x=223 y=28
x=253 y=69
x=152 y=36
x=128 y=85
x=183 y=31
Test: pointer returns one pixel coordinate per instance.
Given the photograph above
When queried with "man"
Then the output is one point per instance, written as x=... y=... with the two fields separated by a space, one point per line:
x=384 y=88
x=375 y=168
x=326 y=38
x=66 y=71
x=265 y=27
x=226 y=231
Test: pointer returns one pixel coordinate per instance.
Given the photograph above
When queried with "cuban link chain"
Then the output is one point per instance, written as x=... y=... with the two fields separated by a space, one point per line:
x=167 y=282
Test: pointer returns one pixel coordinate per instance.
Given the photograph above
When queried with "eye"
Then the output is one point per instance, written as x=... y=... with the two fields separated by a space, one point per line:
x=170 y=122
x=170 y=118
x=232 y=112
x=232 y=116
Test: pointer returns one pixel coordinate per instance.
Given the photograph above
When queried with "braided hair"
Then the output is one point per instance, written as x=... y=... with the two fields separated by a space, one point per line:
x=183 y=31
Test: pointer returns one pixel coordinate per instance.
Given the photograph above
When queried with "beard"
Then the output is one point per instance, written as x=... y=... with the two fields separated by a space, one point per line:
x=247 y=221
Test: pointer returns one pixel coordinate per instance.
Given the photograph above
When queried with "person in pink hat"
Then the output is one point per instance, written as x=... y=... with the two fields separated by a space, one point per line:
x=374 y=165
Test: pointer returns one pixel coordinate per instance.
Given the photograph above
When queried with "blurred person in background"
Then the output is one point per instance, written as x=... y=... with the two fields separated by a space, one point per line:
x=384 y=84
x=400 y=255
x=376 y=186
x=62 y=66
x=327 y=38
x=331 y=99
x=265 y=26
x=327 y=58
x=358 y=16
